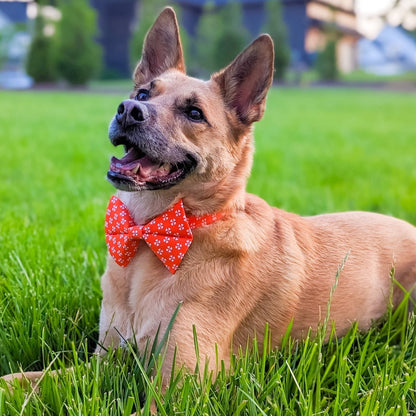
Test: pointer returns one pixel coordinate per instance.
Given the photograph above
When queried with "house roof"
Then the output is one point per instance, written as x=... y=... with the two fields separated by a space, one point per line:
x=4 y=20
x=393 y=50
x=15 y=11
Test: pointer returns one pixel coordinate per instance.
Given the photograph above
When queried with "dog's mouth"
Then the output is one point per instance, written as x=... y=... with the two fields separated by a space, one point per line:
x=136 y=170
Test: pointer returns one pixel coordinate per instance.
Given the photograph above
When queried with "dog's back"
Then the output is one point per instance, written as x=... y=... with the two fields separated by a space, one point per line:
x=293 y=268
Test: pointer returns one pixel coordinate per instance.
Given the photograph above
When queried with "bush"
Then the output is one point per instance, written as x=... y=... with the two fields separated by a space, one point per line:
x=276 y=28
x=326 y=62
x=79 y=58
x=41 y=58
x=202 y=61
x=6 y=34
x=232 y=36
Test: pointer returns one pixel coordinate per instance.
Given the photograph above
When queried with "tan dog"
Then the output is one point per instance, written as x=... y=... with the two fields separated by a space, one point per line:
x=191 y=140
x=257 y=264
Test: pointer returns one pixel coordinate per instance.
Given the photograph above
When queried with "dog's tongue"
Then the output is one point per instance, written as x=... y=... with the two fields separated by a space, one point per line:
x=128 y=162
x=141 y=167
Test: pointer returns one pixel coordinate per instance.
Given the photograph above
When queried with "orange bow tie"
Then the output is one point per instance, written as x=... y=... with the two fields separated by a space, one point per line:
x=169 y=235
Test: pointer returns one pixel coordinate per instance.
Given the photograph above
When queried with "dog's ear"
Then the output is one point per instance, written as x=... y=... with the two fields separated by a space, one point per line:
x=162 y=49
x=244 y=83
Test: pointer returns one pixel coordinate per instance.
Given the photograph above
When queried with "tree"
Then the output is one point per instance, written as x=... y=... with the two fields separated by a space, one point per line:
x=79 y=56
x=41 y=60
x=232 y=36
x=221 y=36
x=276 y=28
x=204 y=52
x=6 y=34
x=400 y=13
x=326 y=62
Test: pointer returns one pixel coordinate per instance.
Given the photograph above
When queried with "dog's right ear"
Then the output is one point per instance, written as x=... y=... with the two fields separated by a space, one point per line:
x=162 y=49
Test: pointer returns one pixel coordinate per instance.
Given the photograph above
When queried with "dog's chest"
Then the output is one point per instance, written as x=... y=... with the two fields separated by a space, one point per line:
x=148 y=295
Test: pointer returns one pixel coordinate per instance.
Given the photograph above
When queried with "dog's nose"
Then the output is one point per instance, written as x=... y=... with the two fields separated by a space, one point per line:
x=131 y=112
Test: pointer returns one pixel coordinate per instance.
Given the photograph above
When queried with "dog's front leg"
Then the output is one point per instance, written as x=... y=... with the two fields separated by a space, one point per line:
x=109 y=334
x=30 y=377
x=27 y=378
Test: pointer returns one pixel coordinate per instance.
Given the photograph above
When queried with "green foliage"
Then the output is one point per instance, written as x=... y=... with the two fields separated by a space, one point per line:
x=202 y=60
x=6 y=34
x=309 y=159
x=2 y=49
x=231 y=35
x=41 y=60
x=147 y=12
x=276 y=28
x=72 y=53
x=326 y=63
x=221 y=37
x=79 y=56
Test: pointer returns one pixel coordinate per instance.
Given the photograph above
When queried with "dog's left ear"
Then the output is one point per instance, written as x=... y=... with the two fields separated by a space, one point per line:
x=162 y=48
x=244 y=83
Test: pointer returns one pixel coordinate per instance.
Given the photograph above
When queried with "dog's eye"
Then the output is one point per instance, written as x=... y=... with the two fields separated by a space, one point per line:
x=143 y=95
x=195 y=114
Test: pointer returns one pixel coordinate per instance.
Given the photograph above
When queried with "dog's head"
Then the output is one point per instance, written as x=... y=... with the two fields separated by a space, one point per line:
x=186 y=134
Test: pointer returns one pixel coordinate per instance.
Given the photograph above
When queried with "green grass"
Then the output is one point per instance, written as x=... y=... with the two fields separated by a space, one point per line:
x=362 y=76
x=357 y=76
x=317 y=151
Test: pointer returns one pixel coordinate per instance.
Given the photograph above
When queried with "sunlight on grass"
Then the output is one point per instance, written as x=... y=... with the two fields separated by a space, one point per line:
x=317 y=151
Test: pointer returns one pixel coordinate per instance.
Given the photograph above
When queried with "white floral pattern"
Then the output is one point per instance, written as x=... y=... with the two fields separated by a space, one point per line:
x=168 y=235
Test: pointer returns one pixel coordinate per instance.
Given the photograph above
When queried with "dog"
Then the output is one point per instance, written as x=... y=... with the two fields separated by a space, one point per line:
x=190 y=140
x=241 y=263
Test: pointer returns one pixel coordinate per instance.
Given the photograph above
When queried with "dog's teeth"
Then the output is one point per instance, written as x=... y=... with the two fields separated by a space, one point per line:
x=136 y=169
x=164 y=166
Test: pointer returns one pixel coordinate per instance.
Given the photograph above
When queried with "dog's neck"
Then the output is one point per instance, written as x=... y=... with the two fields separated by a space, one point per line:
x=146 y=205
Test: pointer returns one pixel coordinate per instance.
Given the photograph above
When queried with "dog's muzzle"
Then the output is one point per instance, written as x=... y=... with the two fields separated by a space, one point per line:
x=151 y=160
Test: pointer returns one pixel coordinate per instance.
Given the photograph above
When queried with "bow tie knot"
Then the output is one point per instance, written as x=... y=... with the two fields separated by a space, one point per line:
x=135 y=232
x=169 y=235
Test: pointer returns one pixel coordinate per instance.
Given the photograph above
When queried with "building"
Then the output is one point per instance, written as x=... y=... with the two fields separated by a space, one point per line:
x=116 y=20
x=14 y=11
x=14 y=44
x=308 y=24
x=392 y=52
x=333 y=19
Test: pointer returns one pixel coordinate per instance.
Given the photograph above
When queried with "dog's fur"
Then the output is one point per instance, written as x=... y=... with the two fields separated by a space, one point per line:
x=257 y=264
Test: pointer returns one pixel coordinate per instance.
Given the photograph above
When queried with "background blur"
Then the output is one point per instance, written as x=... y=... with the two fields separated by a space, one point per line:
x=51 y=42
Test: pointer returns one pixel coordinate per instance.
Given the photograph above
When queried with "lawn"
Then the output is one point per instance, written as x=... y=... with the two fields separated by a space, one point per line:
x=316 y=151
